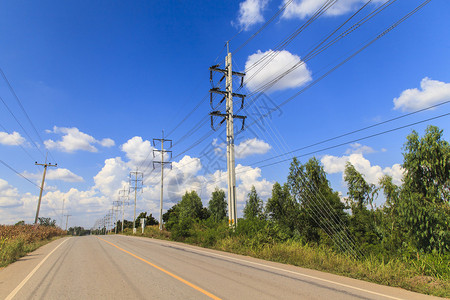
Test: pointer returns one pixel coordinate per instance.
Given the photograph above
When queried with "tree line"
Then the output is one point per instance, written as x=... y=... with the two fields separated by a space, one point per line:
x=414 y=218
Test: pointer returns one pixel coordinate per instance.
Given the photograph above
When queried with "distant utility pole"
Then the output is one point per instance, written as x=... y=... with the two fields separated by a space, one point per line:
x=136 y=184
x=62 y=213
x=67 y=220
x=42 y=186
x=229 y=117
x=162 y=163
x=123 y=194
x=116 y=204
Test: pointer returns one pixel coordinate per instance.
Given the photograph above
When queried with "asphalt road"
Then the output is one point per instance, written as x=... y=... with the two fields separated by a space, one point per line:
x=121 y=267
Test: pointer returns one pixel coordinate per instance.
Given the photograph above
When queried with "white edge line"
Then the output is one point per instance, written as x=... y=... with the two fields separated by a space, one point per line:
x=292 y=272
x=17 y=289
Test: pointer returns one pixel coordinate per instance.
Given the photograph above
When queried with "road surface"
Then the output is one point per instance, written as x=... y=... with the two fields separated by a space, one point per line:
x=123 y=267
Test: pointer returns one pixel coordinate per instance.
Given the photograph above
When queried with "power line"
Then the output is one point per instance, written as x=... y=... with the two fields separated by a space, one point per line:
x=20 y=124
x=12 y=169
x=356 y=131
x=21 y=106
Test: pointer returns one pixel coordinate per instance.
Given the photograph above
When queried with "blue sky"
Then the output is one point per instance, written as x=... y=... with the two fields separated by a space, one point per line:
x=99 y=80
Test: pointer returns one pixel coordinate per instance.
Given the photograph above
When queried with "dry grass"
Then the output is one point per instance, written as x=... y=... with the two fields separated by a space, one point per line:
x=18 y=240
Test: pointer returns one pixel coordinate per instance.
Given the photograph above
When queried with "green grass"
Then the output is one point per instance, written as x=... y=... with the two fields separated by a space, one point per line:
x=150 y=232
x=427 y=273
x=13 y=249
x=18 y=240
x=409 y=275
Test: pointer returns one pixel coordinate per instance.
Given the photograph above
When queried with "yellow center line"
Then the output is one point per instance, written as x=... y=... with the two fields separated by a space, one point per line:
x=165 y=271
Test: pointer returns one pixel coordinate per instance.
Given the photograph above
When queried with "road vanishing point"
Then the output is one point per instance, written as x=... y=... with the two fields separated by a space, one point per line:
x=125 y=267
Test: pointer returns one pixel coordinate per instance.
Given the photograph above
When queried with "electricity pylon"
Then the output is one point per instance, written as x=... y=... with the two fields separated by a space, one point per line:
x=124 y=194
x=229 y=117
x=136 y=184
x=116 y=204
x=162 y=163
x=42 y=186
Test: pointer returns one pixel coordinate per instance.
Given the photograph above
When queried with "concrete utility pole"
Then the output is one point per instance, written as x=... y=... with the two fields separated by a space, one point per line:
x=136 y=184
x=162 y=163
x=229 y=117
x=124 y=194
x=62 y=213
x=42 y=187
x=67 y=220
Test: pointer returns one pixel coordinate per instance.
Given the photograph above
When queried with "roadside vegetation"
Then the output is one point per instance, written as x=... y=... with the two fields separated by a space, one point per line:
x=404 y=243
x=17 y=240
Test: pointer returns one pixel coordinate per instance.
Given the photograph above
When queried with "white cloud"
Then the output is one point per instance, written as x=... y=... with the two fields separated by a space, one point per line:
x=74 y=140
x=55 y=174
x=372 y=174
x=358 y=148
x=282 y=61
x=243 y=149
x=250 y=147
x=431 y=92
x=112 y=177
x=86 y=206
x=138 y=151
x=9 y=196
x=305 y=8
x=107 y=142
x=12 y=139
x=250 y=13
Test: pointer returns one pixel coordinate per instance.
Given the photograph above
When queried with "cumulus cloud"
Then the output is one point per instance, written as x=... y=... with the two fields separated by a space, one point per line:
x=137 y=151
x=276 y=63
x=11 y=139
x=73 y=140
x=250 y=147
x=55 y=174
x=305 y=8
x=112 y=177
x=250 y=13
x=360 y=149
x=243 y=149
x=372 y=174
x=431 y=92
x=9 y=196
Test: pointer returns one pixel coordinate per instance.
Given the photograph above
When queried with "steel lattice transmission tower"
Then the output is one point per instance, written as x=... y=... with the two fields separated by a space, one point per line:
x=123 y=195
x=162 y=163
x=229 y=117
x=136 y=182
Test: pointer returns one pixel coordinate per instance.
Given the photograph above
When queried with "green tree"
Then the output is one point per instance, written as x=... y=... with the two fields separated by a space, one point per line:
x=149 y=219
x=282 y=208
x=360 y=194
x=191 y=207
x=254 y=206
x=47 y=221
x=218 y=205
x=171 y=217
x=393 y=232
x=319 y=205
x=424 y=202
